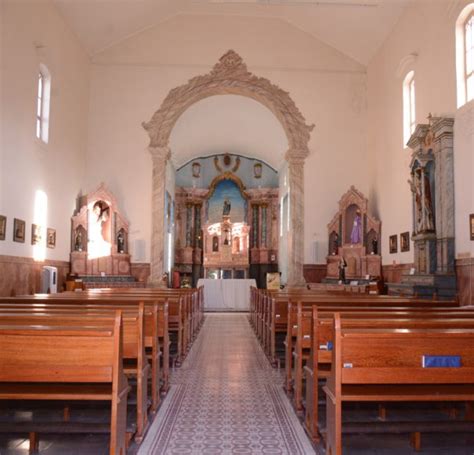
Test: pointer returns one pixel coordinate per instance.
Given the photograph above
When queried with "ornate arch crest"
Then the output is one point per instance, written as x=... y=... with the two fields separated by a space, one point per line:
x=230 y=76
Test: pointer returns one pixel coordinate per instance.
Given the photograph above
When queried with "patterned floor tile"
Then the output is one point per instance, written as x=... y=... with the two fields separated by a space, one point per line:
x=226 y=399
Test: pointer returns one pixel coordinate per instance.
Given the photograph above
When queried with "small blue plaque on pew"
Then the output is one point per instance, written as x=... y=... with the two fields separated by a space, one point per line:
x=441 y=361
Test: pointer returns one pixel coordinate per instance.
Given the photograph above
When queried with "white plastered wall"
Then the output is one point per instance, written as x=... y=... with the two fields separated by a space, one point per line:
x=428 y=32
x=33 y=33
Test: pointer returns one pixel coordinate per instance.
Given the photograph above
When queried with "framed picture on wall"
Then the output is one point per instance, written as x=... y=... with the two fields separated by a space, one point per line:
x=471 y=225
x=51 y=238
x=18 y=230
x=404 y=242
x=393 y=244
x=3 y=227
x=36 y=234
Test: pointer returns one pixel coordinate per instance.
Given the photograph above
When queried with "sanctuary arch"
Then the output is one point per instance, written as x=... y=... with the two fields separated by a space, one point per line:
x=230 y=77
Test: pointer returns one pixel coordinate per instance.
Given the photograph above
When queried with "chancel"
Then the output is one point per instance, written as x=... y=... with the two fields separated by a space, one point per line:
x=237 y=227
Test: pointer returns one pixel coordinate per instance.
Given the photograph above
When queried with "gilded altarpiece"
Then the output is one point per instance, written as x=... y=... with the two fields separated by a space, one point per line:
x=226 y=231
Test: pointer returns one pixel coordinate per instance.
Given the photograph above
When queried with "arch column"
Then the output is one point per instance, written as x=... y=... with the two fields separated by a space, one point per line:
x=160 y=156
x=295 y=159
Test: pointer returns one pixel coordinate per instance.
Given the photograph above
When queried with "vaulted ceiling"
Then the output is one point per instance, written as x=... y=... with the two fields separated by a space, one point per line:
x=355 y=27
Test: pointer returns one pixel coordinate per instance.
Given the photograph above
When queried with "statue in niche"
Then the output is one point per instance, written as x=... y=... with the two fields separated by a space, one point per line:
x=78 y=240
x=236 y=249
x=375 y=245
x=423 y=203
x=98 y=218
x=342 y=270
x=226 y=236
x=226 y=208
x=121 y=242
x=356 y=233
x=335 y=244
x=215 y=244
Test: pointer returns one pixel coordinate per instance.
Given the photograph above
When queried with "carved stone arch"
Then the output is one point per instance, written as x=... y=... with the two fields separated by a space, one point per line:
x=230 y=76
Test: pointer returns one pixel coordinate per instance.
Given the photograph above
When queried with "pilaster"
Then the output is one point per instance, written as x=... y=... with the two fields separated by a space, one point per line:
x=296 y=160
x=160 y=156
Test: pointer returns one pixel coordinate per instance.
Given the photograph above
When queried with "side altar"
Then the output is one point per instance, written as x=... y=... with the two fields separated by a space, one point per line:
x=432 y=185
x=353 y=240
x=99 y=236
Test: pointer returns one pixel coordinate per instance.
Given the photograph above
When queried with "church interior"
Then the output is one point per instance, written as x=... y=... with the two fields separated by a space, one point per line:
x=236 y=226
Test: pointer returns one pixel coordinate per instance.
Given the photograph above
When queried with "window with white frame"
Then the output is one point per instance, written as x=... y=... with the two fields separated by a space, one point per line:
x=42 y=104
x=469 y=57
x=409 y=116
x=465 y=55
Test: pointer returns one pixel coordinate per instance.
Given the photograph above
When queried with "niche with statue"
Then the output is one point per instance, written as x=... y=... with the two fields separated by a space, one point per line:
x=99 y=236
x=353 y=239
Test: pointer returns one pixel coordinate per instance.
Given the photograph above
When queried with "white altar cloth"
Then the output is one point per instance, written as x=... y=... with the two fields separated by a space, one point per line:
x=226 y=294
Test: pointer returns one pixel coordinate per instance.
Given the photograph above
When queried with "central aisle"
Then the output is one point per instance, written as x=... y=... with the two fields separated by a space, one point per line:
x=226 y=399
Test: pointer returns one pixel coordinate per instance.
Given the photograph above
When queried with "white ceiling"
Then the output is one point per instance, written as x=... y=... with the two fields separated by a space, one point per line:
x=355 y=27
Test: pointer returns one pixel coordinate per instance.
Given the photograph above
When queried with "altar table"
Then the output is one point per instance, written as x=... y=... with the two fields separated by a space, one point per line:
x=226 y=294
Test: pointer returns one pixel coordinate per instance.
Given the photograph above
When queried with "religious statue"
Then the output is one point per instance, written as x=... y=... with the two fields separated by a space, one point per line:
x=226 y=236
x=78 y=241
x=226 y=208
x=423 y=204
x=356 y=233
x=215 y=244
x=121 y=242
x=236 y=248
x=335 y=244
x=375 y=245
x=342 y=270
x=98 y=246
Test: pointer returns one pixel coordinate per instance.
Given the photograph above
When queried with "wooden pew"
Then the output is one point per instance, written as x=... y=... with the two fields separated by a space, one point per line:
x=269 y=309
x=322 y=334
x=368 y=303
x=133 y=350
x=81 y=299
x=67 y=363
x=185 y=319
x=385 y=365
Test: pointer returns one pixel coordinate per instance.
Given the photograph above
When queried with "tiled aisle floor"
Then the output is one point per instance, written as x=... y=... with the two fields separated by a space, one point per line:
x=226 y=399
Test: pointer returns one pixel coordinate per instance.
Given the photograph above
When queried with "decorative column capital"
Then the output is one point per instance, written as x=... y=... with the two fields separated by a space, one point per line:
x=296 y=156
x=160 y=155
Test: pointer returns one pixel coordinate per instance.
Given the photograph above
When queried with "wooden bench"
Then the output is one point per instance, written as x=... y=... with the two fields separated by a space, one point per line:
x=385 y=365
x=334 y=303
x=133 y=349
x=320 y=336
x=67 y=363
x=156 y=323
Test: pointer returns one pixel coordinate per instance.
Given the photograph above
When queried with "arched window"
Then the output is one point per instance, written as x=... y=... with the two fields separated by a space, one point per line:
x=43 y=102
x=465 y=55
x=409 y=118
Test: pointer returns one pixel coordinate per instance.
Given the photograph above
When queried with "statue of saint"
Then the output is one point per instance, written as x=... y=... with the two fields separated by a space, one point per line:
x=121 y=242
x=98 y=246
x=335 y=244
x=215 y=244
x=226 y=208
x=78 y=241
x=342 y=270
x=375 y=245
x=356 y=233
x=421 y=188
x=427 y=205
